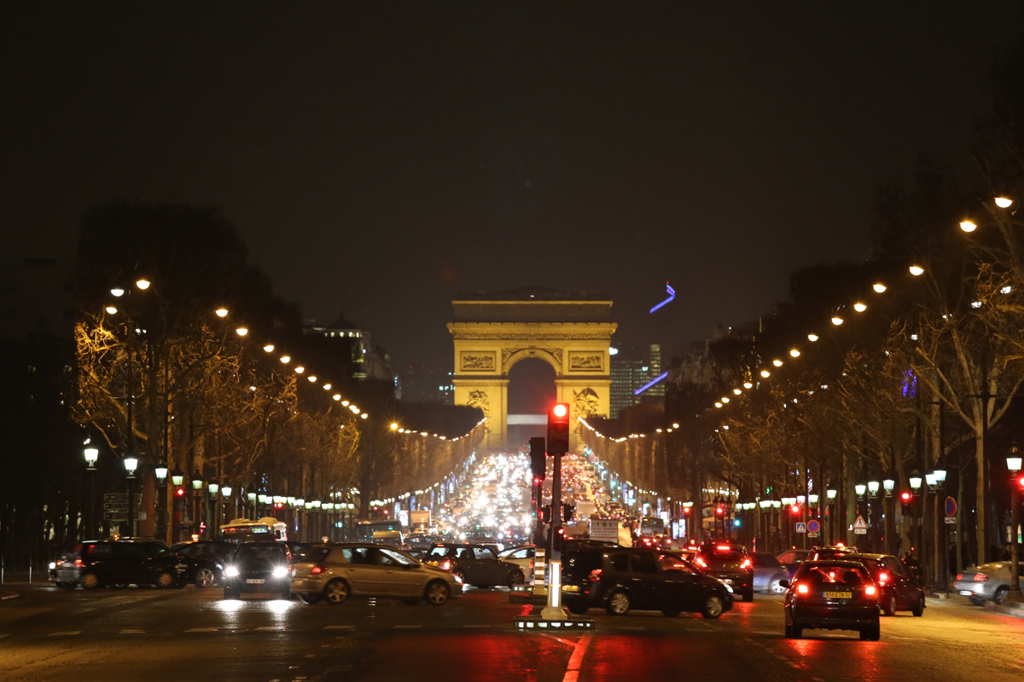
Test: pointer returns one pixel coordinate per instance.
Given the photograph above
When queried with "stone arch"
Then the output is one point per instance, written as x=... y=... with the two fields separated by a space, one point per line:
x=511 y=356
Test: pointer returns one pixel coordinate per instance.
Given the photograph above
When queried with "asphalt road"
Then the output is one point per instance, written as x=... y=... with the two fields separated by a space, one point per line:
x=136 y=634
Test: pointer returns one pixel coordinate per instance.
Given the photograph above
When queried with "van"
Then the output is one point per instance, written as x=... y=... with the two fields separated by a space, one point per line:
x=392 y=538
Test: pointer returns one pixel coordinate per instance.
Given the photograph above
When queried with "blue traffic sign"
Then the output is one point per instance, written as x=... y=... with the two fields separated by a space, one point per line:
x=812 y=526
x=950 y=506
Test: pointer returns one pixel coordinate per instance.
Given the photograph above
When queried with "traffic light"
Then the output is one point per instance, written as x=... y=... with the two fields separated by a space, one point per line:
x=558 y=429
x=545 y=513
x=795 y=509
x=538 y=464
x=720 y=510
x=906 y=503
x=568 y=510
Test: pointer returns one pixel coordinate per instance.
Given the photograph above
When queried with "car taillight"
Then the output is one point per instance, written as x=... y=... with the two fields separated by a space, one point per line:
x=882 y=577
x=316 y=570
x=959 y=576
x=700 y=562
x=870 y=591
x=595 y=575
x=79 y=563
x=746 y=564
x=980 y=577
x=446 y=565
x=802 y=589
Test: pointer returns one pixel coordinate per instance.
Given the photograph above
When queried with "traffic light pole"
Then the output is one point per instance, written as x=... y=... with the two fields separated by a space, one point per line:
x=554 y=610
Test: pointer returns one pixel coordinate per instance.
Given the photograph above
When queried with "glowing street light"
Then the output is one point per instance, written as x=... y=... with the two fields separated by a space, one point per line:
x=221 y=312
x=859 y=307
x=142 y=283
x=117 y=291
x=879 y=287
x=837 y=320
x=242 y=331
x=777 y=363
x=916 y=270
x=765 y=373
x=794 y=353
x=1003 y=202
x=812 y=337
x=111 y=310
x=269 y=348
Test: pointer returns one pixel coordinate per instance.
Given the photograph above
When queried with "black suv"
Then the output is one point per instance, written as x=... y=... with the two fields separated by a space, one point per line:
x=620 y=579
x=205 y=560
x=476 y=565
x=730 y=564
x=119 y=563
x=898 y=589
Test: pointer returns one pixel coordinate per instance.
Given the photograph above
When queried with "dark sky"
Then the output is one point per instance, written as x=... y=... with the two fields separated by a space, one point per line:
x=380 y=157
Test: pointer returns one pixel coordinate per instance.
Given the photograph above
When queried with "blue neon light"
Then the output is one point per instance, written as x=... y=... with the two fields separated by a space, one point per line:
x=650 y=383
x=671 y=297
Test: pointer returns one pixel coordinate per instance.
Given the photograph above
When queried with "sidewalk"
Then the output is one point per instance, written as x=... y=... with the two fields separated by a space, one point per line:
x=1014 y=609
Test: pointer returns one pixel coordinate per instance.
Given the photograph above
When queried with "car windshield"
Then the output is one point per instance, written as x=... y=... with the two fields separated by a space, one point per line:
x=251 y=555
x=831 y=574
x=310 y=555
x=724 y=555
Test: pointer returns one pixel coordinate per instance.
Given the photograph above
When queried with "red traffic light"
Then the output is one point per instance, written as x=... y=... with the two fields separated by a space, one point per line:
x=795 y=509
x=1020 y=481
x=719 y=510
x=560 y=410
x=905 y=496
x=179 y=492
x=558 y=429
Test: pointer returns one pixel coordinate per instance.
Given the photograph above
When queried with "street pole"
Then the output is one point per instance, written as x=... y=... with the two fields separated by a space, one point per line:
x=1013 y=463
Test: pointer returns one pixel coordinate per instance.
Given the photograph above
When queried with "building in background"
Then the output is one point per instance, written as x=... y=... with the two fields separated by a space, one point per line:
x=357 y=349
x=37 y=296
x=633 y=367
x=427 y=385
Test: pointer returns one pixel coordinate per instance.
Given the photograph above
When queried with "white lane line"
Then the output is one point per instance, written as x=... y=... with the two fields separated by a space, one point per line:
x=131 y=631
x=201 y=630
x=66 y=633
x=340 y=627
x=270 y=627
x=408 y=627
x=572 y=671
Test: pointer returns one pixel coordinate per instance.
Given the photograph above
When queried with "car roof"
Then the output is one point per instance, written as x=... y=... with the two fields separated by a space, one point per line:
x=833 y=562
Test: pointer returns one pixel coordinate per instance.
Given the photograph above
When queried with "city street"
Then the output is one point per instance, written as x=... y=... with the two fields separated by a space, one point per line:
x=50 y=634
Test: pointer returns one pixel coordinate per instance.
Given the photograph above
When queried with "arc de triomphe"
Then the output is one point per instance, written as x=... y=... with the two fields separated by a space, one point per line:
x=571 y=332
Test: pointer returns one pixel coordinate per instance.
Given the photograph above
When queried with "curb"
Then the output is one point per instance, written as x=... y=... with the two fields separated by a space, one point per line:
x=5 y=597
x=1015 y=610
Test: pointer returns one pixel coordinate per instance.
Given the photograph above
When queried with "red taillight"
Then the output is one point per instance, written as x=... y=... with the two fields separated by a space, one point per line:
x=980 y=577
x=446 y=565
x=595 y=575
x=700 y=562
x=746 y=564
x=870 y=590
x=79 y=563
x=802 y=589
x=316 y=570
x=724 y=548
x=959 y=576
x=882 y=577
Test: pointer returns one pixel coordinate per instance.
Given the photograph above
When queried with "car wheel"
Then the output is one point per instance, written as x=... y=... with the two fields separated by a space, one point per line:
x=205 y=578
x=795 y=631
x=165 y=580
x=889 y=605
x=90 y=581
x=577 y=608
x=516 y=578
x=872 y=633
x=775 y=588
x=437 y=593
x=1001 y=593
x=310 y=597
x=918 y=609
x=713 y=606
x=618 y=603
x=336 y=592
x=412 y=601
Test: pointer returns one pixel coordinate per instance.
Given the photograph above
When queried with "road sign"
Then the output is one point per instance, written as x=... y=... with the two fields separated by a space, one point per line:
x=860 y=531
x=950 y=506
x=801 y=527
x=813 y=527
x=860 y=524
x=606 y=530
x=951 y=519
x=812 y=535
x=115 y=497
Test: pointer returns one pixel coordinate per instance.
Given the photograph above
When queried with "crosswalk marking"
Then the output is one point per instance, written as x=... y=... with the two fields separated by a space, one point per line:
x=66 y=633
x=132 y=632
x=201 y=630
x=270 y=627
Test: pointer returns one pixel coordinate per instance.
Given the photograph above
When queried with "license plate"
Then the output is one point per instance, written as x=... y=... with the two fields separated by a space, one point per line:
x=570 y=588
x=839 y=595
x=966 y=593
x=254 y=581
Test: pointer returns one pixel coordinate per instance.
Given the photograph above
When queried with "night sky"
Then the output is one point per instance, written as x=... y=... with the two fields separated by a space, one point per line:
x=381 y=157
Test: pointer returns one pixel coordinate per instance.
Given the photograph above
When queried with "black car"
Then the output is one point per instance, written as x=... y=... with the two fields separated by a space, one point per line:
x=833 y=594
x=476 y=565
x=730 y=564
x=118 y=563
x=621 y=579
x=259 y=568
x=898 y=589
x=205 y=560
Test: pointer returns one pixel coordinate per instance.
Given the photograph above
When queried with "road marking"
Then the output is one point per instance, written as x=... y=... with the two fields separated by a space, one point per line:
x=66 y=633
x=340 y=627
x=202 y=630
x=132 y=632
x=572 y=671
x=407 y=627
x=270 y=627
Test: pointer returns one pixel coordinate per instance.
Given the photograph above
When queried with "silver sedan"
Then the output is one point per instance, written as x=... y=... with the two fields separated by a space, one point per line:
x=988 y=582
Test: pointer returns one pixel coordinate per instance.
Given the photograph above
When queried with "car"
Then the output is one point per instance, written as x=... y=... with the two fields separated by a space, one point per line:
x=832 y=594
x=622 y=579
x=259 y=568
x=831 y=552
x=729 y=563
x=792 y=558
x=334 y=573
x=988 y=582
x=475 y=565
x=205 y=560
x=898 y=589
x=768 y=573
x=118 y=563
x=520 y=556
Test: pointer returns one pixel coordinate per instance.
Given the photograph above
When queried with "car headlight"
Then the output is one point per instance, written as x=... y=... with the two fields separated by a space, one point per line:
x=728 y=587
x=280 y=572
x=231 y=572
x=458 y=578
x=53 y=565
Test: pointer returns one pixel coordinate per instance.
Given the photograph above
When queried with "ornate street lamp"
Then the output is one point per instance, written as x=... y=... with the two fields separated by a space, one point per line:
x=91 y=455
x=888 y=484
x=1013 y=463
x=131 y=463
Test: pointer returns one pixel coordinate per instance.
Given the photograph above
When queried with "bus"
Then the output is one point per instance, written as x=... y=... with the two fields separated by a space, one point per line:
x=365 y=529
x=651 y=526
x=246 y=530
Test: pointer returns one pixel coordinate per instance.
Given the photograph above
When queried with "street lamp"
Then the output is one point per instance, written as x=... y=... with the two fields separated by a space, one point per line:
x=1013 y=463
x=160 y=471
x=861 y=489
x=91 y=455
x=131 y=463
x=888 y=484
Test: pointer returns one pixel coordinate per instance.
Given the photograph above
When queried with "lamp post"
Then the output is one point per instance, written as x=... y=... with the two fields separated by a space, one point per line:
x=831 y=494
x=197 y=503
x=89 y=517
x=131 y=463
x=225 y=492
x=251 y=510
x=178 y=481
x=941 y=560
x=915 y=515
x=1013 y=463
x=888 y=485
x=161 y=498
x=214 y=514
